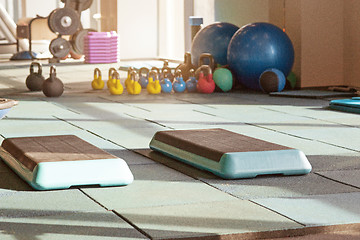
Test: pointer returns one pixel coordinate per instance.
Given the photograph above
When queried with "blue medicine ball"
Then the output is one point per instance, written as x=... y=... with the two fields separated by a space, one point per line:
x=257 y=47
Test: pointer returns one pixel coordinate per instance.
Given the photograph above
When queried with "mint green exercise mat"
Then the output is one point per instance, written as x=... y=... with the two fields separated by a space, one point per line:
x=64 y=161
x=230 y=155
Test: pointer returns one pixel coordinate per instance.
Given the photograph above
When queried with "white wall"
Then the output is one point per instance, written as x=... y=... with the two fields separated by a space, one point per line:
x=137 y=28
x=242 y=12
x=171 y=29
x=40 y=7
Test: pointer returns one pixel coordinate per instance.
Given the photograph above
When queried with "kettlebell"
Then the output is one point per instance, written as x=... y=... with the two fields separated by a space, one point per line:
x=134 y=86
x=153 y=86
x=206 y=83
x=186 y=66
x=53 y=86
x=109 y=81
x=128 y=78
x=191 y=82
x=205 y=59
x=179 y=83
x=144 y=80
x=35 y=80
x=166 y=85
x=97 y=83
x=116 y=88
x=166 y=68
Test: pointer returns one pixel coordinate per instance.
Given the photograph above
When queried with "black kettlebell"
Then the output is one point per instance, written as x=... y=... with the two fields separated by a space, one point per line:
x=53 y=86
x=35 y=80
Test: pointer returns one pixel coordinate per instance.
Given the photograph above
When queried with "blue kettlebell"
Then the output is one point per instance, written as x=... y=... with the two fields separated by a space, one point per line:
x=144 y=77
x=191 y=82
x=179 y=84
x=166 y=85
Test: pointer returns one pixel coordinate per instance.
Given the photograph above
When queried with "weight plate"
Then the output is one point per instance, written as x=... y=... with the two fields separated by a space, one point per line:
x=59 y=47
x=77 y=40
x=64 y=21
x=78 y=5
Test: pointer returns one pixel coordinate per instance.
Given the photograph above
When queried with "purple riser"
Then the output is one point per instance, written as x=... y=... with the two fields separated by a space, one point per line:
x=100 y=39
x=97 y=48
x=105 y=47
x=101 y=54
x=101 y=58
x=102 y=34
x=97 y=52
x=101 y=61
x=101 y=49
x=101 y=42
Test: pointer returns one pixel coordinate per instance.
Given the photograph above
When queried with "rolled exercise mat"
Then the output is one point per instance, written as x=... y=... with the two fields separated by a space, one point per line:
x=60 y=162
x=230 y=155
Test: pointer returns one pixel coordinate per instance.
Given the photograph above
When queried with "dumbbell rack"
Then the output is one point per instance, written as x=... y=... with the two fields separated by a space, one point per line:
x=62 y=22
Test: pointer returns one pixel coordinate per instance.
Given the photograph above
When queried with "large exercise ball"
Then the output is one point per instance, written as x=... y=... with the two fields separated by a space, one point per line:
x=213 y=39
x=256 y=47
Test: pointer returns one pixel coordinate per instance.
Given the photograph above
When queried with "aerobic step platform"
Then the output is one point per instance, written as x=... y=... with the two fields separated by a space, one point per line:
x=60 y=162
x=346 y=105
x=230 y=155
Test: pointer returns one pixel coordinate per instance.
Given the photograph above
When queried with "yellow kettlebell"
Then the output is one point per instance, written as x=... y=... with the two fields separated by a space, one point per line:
x=109 y=82
x=116 y=88
x=128 y=78
x=97 y=83
x=134 y=86
x=153 y=86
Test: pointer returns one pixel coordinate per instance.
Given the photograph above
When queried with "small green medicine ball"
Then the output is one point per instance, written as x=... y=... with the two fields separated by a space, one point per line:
x=223 y=79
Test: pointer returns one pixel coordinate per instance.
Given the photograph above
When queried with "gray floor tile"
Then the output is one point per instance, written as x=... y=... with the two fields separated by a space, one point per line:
x=130 y=157
x=125 y=136
x=331 y=135
x=25 y=128
x=331 y=162
x=157 y=172
x=177 y=165
x=79 y=225
x=205 y=219
x=33 y=202
x=280 y=186
x=148 y=193
x=328 y=209
x=351 y=177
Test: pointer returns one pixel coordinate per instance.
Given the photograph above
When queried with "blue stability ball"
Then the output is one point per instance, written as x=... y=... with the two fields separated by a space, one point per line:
x=213 y=39
x=257 y=47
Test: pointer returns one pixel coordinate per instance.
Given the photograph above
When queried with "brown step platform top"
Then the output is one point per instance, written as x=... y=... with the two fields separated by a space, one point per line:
x=214 y=143
x=32 y=150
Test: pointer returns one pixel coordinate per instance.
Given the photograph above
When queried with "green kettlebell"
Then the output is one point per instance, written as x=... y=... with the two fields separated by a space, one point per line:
x=53 y=86
x=35 y=80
